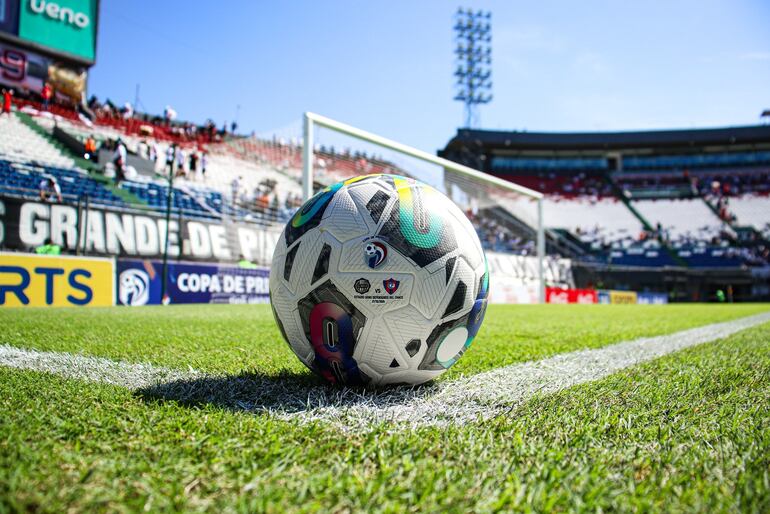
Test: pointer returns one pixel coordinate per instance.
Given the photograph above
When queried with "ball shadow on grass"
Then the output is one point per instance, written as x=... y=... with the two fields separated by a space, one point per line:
x=285 y=393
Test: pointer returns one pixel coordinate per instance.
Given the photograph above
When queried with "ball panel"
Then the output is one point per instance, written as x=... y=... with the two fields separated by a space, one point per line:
x=309 y=215
x=374 y=199
x=305 y=261
x=460 y=291
x=332 y=324
x=342 y=218
x=427 y=297
x=417 y=227
x=386 y=291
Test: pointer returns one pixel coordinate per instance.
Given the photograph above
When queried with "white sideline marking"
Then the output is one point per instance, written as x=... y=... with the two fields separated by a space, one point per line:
x=471 y=398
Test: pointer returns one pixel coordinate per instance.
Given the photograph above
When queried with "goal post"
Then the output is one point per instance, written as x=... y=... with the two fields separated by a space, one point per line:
x=312 y=120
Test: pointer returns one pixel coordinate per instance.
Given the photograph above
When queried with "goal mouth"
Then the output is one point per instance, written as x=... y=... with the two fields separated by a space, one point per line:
x=507 y=216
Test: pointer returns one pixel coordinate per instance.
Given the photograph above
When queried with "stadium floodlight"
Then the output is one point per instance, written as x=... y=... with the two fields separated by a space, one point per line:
x=475 y=181
x=473 y=61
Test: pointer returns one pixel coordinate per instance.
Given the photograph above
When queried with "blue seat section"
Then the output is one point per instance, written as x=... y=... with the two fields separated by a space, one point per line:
x=24 y=180
x=697 y=161
x=156 y=196
x=641 y=257
x=216 y=201
x=549 y=163
x=694 y=257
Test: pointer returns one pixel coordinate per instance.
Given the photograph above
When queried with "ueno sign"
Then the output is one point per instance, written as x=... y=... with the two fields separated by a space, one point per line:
x=56 y=12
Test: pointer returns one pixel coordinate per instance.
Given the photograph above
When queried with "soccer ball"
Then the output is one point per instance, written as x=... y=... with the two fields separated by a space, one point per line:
x=378 y=280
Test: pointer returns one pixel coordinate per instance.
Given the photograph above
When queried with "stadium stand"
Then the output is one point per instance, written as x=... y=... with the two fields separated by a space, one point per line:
x=752 y=210
x=681 y=218
x=21 y=143
x=21 y=179
x=693 y=198
x=627 y=198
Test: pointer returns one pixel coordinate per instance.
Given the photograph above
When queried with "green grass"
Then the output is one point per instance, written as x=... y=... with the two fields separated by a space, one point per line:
x=685 y=433
x=240 y=338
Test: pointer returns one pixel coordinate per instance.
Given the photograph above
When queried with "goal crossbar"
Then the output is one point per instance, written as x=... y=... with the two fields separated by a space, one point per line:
x=310 y=119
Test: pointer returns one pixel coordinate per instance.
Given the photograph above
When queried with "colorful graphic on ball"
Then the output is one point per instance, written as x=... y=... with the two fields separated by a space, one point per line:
x=314 y=205
x=420 y=225
x=331 y=334
x=375 y=253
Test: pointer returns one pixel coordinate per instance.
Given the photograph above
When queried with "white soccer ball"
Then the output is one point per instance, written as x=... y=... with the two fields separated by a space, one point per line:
x=379 y=280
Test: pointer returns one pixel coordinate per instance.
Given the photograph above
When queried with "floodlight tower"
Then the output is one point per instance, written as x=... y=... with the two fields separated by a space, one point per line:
x=473 y=61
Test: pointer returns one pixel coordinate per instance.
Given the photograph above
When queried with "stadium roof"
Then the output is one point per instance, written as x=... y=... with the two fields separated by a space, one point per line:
x=514 y=140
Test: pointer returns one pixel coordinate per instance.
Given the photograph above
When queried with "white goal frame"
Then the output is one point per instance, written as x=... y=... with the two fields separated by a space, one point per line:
x=311 y=119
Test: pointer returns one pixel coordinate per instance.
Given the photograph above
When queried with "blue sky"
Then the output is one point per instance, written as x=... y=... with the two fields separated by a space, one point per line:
x=386 y=66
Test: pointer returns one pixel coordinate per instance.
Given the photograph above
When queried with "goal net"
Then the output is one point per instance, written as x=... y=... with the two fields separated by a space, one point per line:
x=507 y=217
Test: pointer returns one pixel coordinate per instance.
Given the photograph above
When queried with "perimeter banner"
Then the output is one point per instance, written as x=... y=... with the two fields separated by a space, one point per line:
x=25 y=224
x=617 y=297
x=139 y=283
x=55 y=281
x=566 y=295
x=652 y=298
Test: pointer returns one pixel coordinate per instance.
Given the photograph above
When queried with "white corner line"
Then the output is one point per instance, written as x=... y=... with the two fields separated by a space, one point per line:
x=467 y=399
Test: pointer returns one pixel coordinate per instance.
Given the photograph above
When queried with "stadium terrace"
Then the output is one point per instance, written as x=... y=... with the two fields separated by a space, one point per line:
x=689 y=200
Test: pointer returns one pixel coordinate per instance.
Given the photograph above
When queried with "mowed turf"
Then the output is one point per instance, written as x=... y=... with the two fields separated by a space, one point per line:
x=244 y=338
x=687 y=432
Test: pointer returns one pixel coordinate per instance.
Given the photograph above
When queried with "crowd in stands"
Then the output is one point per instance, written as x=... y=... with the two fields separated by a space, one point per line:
x=218 y=174
x=580 y=184
x=163 y=127
x=498 y=237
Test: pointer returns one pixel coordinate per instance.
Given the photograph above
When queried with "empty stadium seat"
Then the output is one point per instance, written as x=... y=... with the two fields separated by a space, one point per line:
x=21 y=142
x=690 y=218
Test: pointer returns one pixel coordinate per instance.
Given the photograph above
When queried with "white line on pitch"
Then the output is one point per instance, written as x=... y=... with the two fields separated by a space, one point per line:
x=470 y=398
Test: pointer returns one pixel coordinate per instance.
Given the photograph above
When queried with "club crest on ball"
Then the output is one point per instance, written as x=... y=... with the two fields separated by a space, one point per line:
x=375 y=253
x=391 y=285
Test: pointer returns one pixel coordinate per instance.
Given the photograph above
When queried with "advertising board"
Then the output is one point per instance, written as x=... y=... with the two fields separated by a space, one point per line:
x=25 y=70
x=568 y=295
x=9 y=16
x=138 y=282
x=64 y=26
x=28 y=280
x=652 y=298
x=25 y=224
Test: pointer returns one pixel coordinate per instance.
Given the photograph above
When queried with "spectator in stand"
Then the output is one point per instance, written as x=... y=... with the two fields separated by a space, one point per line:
x=194 y=163
x=204 y=162
x=90 y=148
x=210 y=128
x=48 y=248
x=7 y=94
x=180 y=158
x=119 y=160
x=245 y=263
x=47 y=94
x=49 y=190
x=169 y=114
x=235 y=187
x=153 y=152
x=170 y=151
x=128 y=111
x=262 y=201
